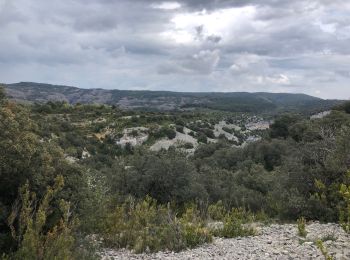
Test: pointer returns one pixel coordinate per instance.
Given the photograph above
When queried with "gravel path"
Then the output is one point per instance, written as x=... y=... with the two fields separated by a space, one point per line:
x=274 y=242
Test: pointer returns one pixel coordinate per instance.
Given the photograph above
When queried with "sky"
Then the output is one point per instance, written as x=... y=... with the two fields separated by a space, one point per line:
x=300 y=46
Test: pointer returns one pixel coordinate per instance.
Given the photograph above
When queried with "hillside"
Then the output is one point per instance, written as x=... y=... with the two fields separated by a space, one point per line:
x=167 y=101
x=174 y=184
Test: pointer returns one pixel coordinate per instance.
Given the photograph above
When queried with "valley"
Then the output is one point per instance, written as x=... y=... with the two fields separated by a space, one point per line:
x=174 y=129
x=141 y=183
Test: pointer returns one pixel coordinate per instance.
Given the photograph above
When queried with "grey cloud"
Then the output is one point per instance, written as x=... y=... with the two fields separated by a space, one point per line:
x=214 y=38
x=203 y=62
x=101 y=42
x=343 y=73
x=10 y=14
x=199 y=35
x=98 y=22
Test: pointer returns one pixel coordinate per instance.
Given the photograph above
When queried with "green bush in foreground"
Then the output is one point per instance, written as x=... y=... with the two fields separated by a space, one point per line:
x=323 y=250
x=193 y=228
x=233 y=225
x=302 y=227
x=217 y=211
x=28 y=224
x=345 y=211
x=147 y=227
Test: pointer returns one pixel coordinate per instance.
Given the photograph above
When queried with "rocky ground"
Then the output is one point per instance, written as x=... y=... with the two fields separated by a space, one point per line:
x=273 y=242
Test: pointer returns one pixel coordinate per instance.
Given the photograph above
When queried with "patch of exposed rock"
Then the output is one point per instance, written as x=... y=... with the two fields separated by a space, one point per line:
x=259 y=125
x=179 y=140
x=273 y=242
x=218 y=130
x=320 y=115
x=133 y=136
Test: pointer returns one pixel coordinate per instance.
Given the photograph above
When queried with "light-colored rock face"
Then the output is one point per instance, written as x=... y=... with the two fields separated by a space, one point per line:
x=179 y=140
x=139 y=139
x=252 y=139
x=260 y=125
x=218 y=130
x=85 y=154
x=320 y=115
x=273 y=242
x=71 y=159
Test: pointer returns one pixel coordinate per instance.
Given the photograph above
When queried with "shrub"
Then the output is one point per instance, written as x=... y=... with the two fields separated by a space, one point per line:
x=234 y=224
x=180 y=122
x=323 y=250
x=280 y=128
x=188 y=146
x=262 y=217
x=164 y=132
x=217 y=211
x=134 y=133
x=192 y=134
x=170 y=133
x=301 y=227
x=180 y=128
x=34 y=240
x=344 y=107
x=147 y=227
x=130 y=225
x=208 y=132
x=194 y=230
x=345 y=210
x=202 y=138
x=228 y=130
x=222 y=136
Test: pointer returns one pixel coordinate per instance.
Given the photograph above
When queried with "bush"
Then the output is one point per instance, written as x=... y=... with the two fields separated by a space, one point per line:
x=188 y=146
x=166 y=177
x=228 y=130
x=180 y=128
x=147 y=227
x=280 y=128
x=36 y=239
x=134 y=133
x=323 y=250
x=345 y=210
x=217 y=211
x=301 y=227
x=194 y=230
x=208 y=132
x=170 y=133
x=202 y=138
x=222 y=137
x=234 y=224
x=164 y=132
x=344 y=107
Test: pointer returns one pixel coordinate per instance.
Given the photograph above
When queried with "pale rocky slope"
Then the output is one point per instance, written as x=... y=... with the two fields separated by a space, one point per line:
x=274 y=242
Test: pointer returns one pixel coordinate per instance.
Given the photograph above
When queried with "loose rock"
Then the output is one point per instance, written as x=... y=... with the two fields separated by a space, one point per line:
x=274 y=242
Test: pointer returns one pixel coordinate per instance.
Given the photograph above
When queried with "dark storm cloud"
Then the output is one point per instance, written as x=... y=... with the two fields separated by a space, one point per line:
x=212 y=45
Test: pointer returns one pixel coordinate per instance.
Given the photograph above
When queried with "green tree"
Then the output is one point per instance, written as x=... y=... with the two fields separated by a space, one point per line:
x=35 y=239
x=25 y=157
x=280 y=128
x=2 y=95
x=166 y=177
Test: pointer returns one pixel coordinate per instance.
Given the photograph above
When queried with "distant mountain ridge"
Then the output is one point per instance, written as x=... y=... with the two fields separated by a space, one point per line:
x=166 y=100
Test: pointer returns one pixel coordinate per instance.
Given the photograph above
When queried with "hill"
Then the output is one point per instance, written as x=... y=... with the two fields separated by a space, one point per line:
x=166 y=100
x=152 y=183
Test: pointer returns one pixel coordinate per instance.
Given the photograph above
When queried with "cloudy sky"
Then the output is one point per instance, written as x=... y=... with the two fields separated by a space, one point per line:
x=185 y=45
